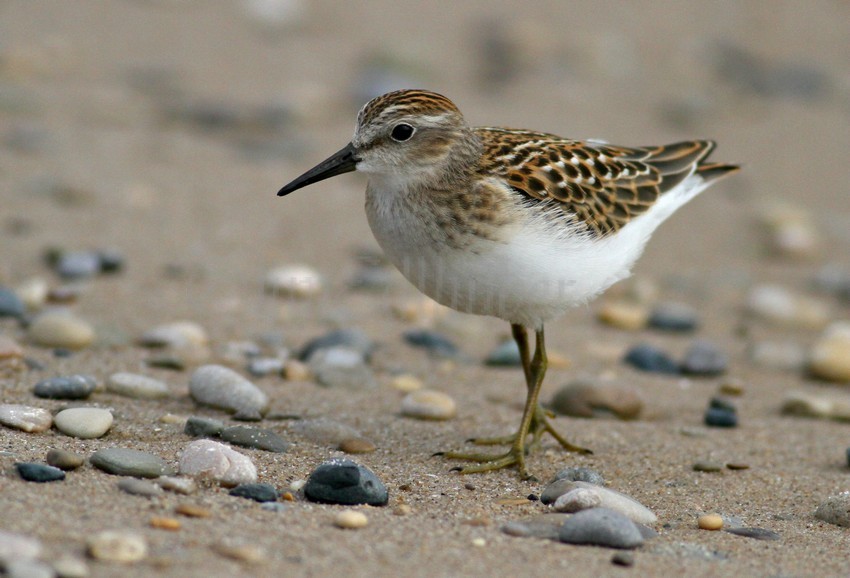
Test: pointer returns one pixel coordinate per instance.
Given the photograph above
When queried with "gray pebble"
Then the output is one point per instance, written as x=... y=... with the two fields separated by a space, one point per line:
x=203 y=427
x=784 y=356
x=66 y=387
x=341 y=481
x=704 y=358
x=262 y=366
x=835 y=510
x=28 y=569
x=601 y=527
x=130 y=462
x=221 y=387
x=434 y=343
x=342 y=367
x=256 y=438
x=78 y=264
x=256 y=492
x=64 y=460
x=84 y=422
x=579 y=474
x=755 y=533
x=136 y=386
x=544 y=526
x=505 y=355
x=349 y=338
x=674 y=317
x=10 y=304
x=372 y=278
x=649 y=358
x=179 y=334
x=719 y=417
x=177 y=485
x=139 y=487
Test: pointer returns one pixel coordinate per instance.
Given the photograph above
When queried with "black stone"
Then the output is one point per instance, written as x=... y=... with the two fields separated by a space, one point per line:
x=342 y=481
x=847 y=455
x=256 y=438
x=435 y=343
x=111 y=261
x=10 y=304
x=40 y=473
x=704 y=358
x=66 y=387
x=716 y=417
x=203 y=427
x=256 y=492
x=351 y=338
x=756 y=533
x=647 y=357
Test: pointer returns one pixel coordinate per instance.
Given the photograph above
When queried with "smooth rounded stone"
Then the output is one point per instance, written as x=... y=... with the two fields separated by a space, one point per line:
x=349 y=338
x=755 y=533
x=719 y=417
x=33 y=292
x=780 y=306
x=216 y=461
x=341 y=481
x=623 y=315
x=601 y=527
x=342 y=367
x=357 y=446
x=434 y=343
x=674 y=317
x=582 y=399
x=223 y=388
x=294 y=370
x=203 y=427
x=711 y=522
x=815 y=404
x=704 y=358
x=183 y=486
x=372 y=278
x=63 y=459
x=428 y=404
x=625 y=559
x=835 y=510
x=77 y=264
x=18 y=547
x=117 y=546
x=647 y=357
x=579 y=474
x=505 y=355
x=323 y=431
x=136 y=386
x=255 y=438
x=70 y=566
x=256 y=492
x=28 y=569
x=583 y=496
x=829 y=358
x=25 y=418
x=262 y=366
x=11 y=304
x=299 y=281
x=60 y=329
x=33 y=472
x=406 y=382
x=350 y=520
x=784 y=356
x=139 y=487
x=179 y=334
x=248 y=553
x=83 y=422
x=130 y=462
x=732 y=386
x=707 y=466
x=544 y=526
x=66 y=387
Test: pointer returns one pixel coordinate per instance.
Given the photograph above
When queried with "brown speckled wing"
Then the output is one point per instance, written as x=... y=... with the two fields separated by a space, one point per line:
x=603 y=186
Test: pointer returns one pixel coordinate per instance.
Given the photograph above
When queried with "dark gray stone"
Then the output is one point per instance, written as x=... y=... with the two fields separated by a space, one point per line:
x=716 y=417
x=505 y=355
x=66 y=387
x=673 y=317
x=704 y=358
x=256 y=438
x=203 y=427
x=40 y=473
x=341 y=481
x=10 y=304
x=647 y=357
x=755 y=533
x=435 y=343
x=601 y=527
x=256 y=492
x=350 y=338
x=129 y=462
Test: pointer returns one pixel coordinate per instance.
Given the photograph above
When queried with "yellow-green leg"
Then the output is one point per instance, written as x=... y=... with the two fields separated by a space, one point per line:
x=534 y=418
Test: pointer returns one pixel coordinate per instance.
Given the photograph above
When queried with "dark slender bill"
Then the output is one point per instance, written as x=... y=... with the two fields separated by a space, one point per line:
x=341 y=162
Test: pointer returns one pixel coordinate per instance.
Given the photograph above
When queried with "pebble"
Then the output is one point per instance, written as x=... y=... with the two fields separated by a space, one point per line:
x=209 y=459
x=342 y=367
x=10 y=350
x=193 y=511
x=647 y=357
x=601 y=527
x=357 y=446
x=372 y=278
x=625 y=559
x=707 y=466
x=294 y=370
x=710 y=522
x=33 y=293
x=791 y=232
x=755 y=533
x=139 y=487
x=720 y=417
x=256 y=492
x=33 y=472
x=623 y=315
x=350 y=520
x=83 y=422
x=783 y=356
x=299 y=281
x=349 y=338
x=64 y=460
x=255 y=438
x=77 y=264
x=544 y=526
x=428 y=404
x=580 y=474
x=179 y=334
x=780 y=306
x=434 y=343
x=183 y=486
x=136 y=386
x=60 y=329
x=25 y=418
x=674 y=317
x=223 y=388
x=11 y=304
x=704 y=358
x=203 y=427
x=505 y=355
x=732 y=387
x=130 y=462
x=66 y=387
x=341 y=481
x=70 y=566
x=835 y=510
x=583 y=399
x=165 y=523
x=407 y=382
x=18 y=547
x=829 y=358
x=28 y=569
x=249 y=553
x=324 y=431
x=262 y=366
x=117 y=546
x=583 y=496
x=829 y=405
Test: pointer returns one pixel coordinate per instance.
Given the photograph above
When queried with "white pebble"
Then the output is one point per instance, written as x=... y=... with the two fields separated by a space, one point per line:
x=350 y=519
x=428 y=404
x=33 y=292
x=136 y=386
x=780 y=306
x=221 y=387
x=117 y=546
x=209 y=459
x=178 y=334
x=25 y=418
x=69 y=566
x=830 y=355
x=177 y=485
x=18 y=547
x=84 y=422
x=585 y=496
x=293 y=281
x=60 y=328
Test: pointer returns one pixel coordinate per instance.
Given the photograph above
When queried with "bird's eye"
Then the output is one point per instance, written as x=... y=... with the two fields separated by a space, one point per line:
x=402 y=132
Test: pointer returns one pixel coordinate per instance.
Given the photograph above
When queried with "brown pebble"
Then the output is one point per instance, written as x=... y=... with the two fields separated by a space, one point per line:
x=470 y=487
x=287 y=497
x=626 y=559
x=732 y=387
x=738 y=466
x=351 y=520
x=402 y=510
x=295 y=370
x=710 y=522
x=193 y=511
x=244 y=553
x=405 y=487
x=357 y=446
x=165 y=523
x=63 y=459
x=581 y=399
x=623 y=315
x=706 y=466
x=479 y=521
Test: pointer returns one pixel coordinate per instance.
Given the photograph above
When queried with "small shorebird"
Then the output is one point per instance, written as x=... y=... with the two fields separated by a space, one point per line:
x=516 y=224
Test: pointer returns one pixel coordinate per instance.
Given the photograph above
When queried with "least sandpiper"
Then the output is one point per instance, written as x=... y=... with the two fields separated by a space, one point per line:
x=516 y=224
